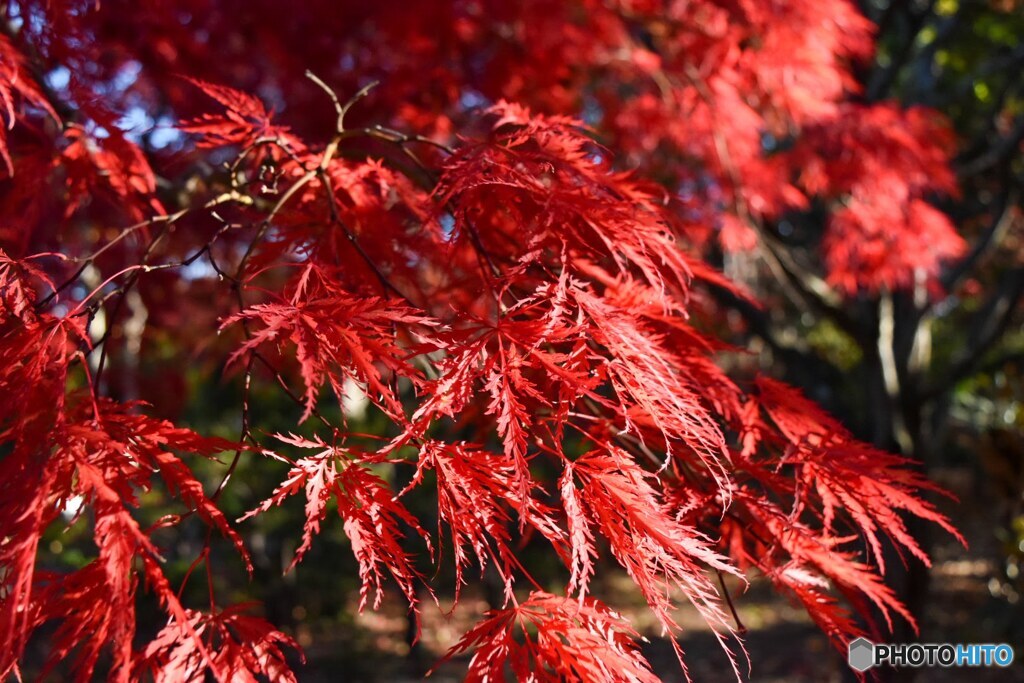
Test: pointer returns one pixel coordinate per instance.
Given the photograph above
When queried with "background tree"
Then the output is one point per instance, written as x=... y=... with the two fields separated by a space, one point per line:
x=529 y=352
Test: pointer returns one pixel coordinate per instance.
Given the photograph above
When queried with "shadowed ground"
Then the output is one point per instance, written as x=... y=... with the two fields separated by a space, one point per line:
x=783 y=644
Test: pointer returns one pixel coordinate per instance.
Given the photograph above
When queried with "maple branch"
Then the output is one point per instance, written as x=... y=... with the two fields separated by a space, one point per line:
x=628 y=441
x=883 y=79
x=335 y=216
x=320 y=173
x=264 y=224
x=236 y=284
x=246 y=432
x=740 y=628
x=394 y=136
x=806 y=290
x=325 y=159
x=314 y=411
x=1002 y=218
x=401 y=140
x=340 y=108
x=86 y=261
x=810 y=288
x=144 y=267
x=398 y=138
x=125 y=288
x=998 y=153
x=761 y=325
x=481 y=250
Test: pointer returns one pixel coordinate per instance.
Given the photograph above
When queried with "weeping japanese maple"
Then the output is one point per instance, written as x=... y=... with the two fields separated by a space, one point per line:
x=530 y=322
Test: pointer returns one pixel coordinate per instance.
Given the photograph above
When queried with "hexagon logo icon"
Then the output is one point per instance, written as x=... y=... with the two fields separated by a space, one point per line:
x=861 y=654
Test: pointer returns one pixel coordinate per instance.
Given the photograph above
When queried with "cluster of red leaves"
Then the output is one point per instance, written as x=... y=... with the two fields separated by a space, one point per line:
x=229 y=642
x=617 y=499
x=884 y=162
x=823 y=485
x=565 y=640
x=583 y=339
x=100 y=456
x=371 y=513
x=337 y=337
x=17 y=89
x=110 y=166
x=477 y=495
x=71 y=457
x=728 y=72
x=518 y=312
x=717 y=97
x=244 y=122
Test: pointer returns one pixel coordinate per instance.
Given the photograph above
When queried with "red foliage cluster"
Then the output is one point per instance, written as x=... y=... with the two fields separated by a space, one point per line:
x=524 y=316
x=880 y=162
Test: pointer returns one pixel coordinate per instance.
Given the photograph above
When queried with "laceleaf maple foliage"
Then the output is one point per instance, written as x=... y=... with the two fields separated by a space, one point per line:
x=530 y=321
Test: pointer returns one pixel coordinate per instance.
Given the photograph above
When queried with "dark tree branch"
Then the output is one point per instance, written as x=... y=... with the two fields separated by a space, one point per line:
x=986 y=327
x=1002 y=217
x=998 y=153
x=999 y=362
x=881 y=81
x=812 y=290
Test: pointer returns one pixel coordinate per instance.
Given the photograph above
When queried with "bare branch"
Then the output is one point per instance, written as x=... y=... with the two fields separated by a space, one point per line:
x=986 y=327
x=1002 y=218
